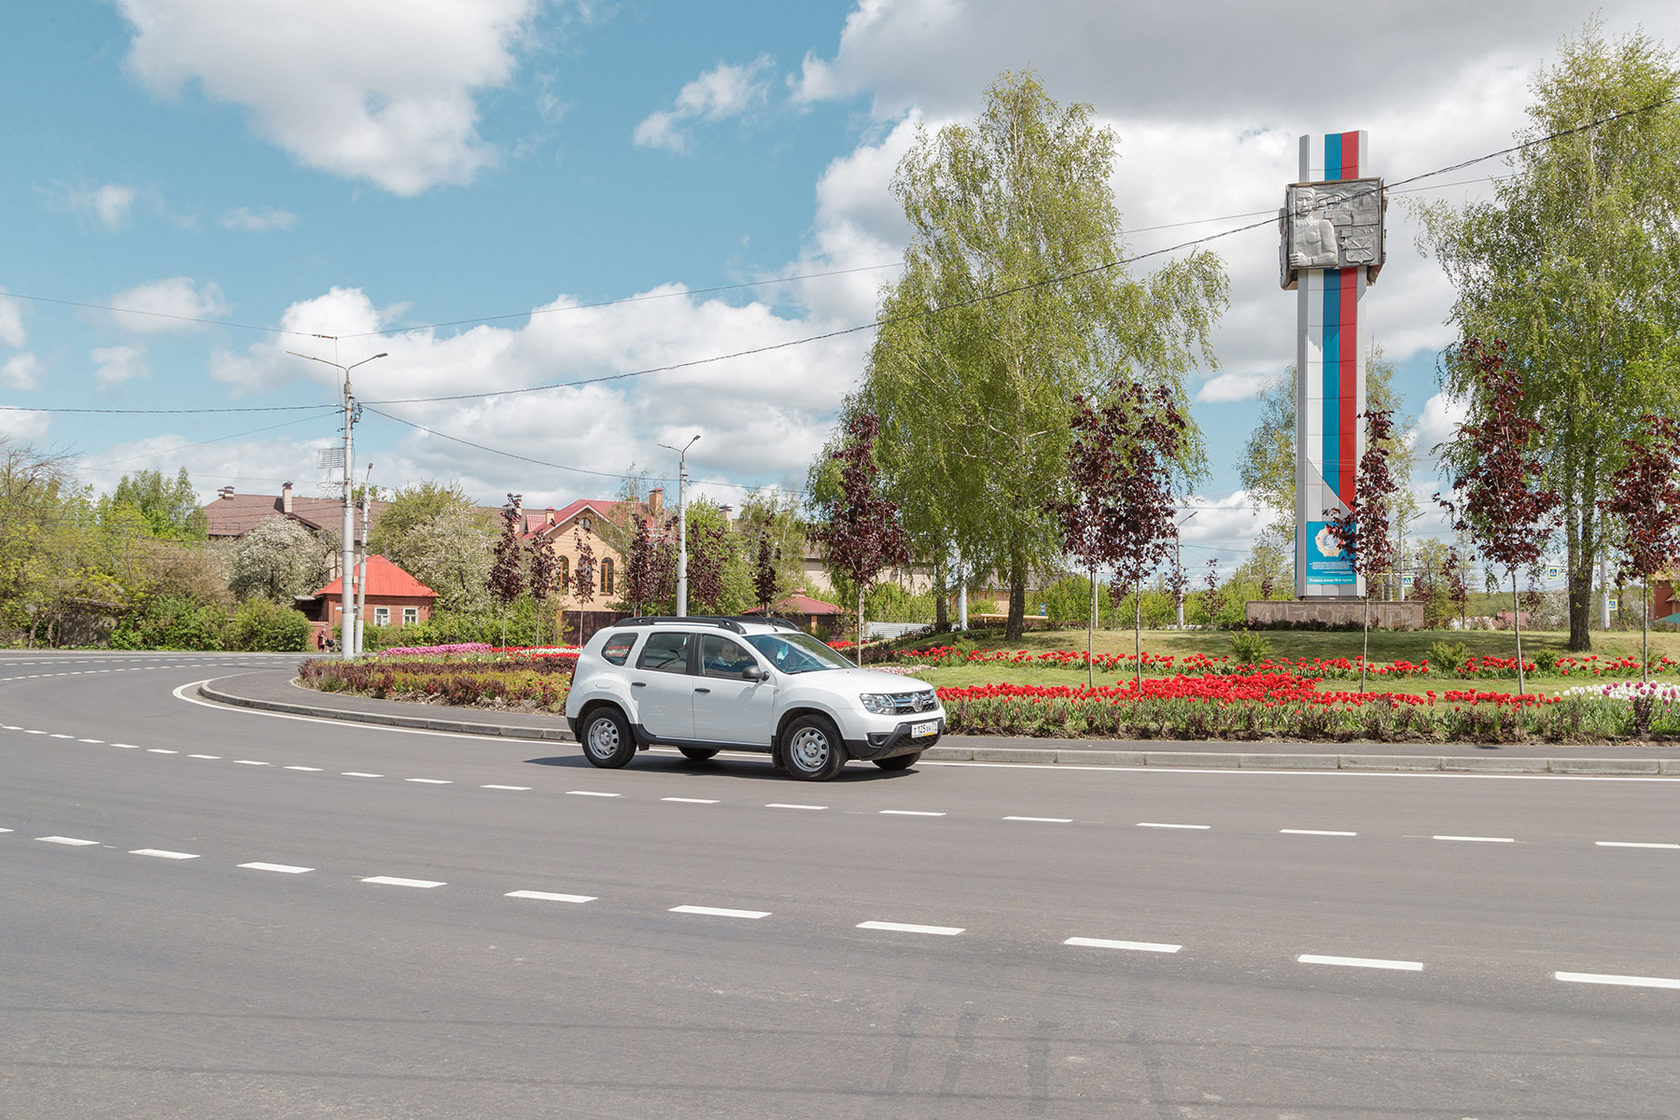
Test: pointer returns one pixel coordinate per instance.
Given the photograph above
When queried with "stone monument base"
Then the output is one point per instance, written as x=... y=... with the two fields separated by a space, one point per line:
x=1334 y=612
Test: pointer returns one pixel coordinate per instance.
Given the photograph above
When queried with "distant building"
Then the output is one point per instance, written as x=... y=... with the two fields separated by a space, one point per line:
x=394 y=598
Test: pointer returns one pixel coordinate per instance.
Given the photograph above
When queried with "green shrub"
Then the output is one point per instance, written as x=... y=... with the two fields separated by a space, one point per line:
x=261 y=625
x=171 y=622
x=1449 y=656
x=1250 y=648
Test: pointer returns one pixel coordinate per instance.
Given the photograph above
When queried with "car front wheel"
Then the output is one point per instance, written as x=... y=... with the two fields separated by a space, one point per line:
x=812 y=749
x=607 y=742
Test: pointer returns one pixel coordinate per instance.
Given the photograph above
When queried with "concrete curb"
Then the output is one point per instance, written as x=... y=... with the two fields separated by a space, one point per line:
x=1046 y=756
x=384 y=719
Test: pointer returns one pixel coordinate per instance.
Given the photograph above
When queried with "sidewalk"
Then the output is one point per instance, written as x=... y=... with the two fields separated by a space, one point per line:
x=273 y=690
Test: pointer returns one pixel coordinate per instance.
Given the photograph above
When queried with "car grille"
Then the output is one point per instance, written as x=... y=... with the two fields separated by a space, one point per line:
x=906 y=702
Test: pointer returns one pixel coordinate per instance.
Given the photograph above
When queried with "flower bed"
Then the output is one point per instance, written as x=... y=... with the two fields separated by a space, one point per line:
x=515 y=683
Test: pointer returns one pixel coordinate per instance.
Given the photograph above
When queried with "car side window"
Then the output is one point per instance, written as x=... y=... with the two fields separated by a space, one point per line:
x=721 y=657
x=665 y=653
x=617 y=647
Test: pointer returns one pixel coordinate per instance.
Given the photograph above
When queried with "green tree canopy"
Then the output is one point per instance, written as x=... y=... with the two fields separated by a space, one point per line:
x=1014 y=301
x=1575 y=265
x=169 y=509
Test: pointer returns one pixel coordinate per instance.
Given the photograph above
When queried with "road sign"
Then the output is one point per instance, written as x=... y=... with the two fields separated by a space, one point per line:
x=1553 y=571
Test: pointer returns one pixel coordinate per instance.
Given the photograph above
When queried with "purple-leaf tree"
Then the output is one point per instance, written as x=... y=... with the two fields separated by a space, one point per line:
x=857 y=527
x=1212 y=596
x=1362 y=531
x=545 y=578
x=641 y=572
x=1452 y=574
x=1494 y=471
x=764 y=573
x=707 y=551
x=1647 y=505
x=507 y=574
x=1118 y=511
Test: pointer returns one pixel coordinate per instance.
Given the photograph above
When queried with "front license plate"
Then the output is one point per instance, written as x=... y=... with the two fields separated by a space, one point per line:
x=923 y=730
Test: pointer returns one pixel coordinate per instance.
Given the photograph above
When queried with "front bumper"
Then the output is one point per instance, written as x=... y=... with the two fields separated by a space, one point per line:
x=900 y=739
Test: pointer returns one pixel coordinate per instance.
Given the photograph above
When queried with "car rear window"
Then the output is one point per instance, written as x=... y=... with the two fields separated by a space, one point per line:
x=617 y=647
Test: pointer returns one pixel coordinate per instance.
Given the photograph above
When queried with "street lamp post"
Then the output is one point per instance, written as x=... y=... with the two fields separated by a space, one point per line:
x=682 y=525
x=1178 y=569
x=347 y=561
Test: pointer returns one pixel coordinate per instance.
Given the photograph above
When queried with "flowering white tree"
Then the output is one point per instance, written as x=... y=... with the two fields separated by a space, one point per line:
x=275 y=561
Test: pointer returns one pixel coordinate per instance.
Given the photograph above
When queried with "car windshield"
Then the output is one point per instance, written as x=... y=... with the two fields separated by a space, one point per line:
x=797 y=653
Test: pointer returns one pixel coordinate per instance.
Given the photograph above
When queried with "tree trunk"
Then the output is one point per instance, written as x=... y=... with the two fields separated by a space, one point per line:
x=1091 y=634
x=1365 y=658
x=1580 y=605
x=941 y=598
x=1516 y=628
x=1645 y=632
x=1016 y=624
x=1137 y=634
x=859 y=629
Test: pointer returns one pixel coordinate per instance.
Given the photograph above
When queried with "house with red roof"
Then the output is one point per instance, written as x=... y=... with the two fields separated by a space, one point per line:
x=394 y=598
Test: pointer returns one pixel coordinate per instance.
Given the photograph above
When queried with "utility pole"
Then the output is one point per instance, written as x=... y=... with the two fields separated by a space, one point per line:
x=361 y=569
x=347 y=556
x=682 y=525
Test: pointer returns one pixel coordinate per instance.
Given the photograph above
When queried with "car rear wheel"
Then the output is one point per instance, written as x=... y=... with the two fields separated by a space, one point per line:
x=812 y=750
x=607 y=741
x=698 y=754
x=899 y=761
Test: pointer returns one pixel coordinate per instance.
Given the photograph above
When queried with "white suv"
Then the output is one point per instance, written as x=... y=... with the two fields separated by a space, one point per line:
x=701 y=684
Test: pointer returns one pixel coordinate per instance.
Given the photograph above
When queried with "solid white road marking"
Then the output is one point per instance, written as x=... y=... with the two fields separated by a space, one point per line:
x=785 y=805
x=519 y=788
x=719 y=912
x=590 y=793
x=1479 y=839
x=430 y=781
x=1631 y=844
x=1619 y=981
x=1042 y=820
x=1313 y=832
x=544 y=896
x=281 y=868
x=1134 y=946
x=161 y=854
x=392 y=881
x=908 y=813
x=692 y=800
x=69 y=840
x=358 y=774
x=1153 y=824
x=902 y=927
x=1361 y=962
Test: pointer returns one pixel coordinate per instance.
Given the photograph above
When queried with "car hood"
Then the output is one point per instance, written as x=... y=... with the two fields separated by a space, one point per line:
x=857 y=681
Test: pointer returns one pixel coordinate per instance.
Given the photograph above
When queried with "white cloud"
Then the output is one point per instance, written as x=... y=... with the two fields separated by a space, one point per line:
x=724 y=91
x=381 y=90
x=24 y=425
x=21 y=372
x=110 y=203
x=260 y=220
x=175 y=304
x=118 y=364
x=11 y=322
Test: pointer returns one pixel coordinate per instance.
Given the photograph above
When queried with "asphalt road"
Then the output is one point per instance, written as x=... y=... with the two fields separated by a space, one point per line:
x=208 y=912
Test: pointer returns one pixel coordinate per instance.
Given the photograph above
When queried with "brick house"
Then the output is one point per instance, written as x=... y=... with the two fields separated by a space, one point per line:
x=394 y=598
x=232 y=515
x=604 y=525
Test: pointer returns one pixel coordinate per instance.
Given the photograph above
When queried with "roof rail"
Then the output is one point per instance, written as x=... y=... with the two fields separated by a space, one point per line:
x=714 y=620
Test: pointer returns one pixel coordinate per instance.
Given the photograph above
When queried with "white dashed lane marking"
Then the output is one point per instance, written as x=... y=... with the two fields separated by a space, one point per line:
x=520 y=789
x=207 y=757
x=1478 y=839
x=430 y=781
x=1361 y=962
x=1630 y=844
x=1617 y=981
x=359 y=774
x=909 y=813
x=392 y=881
x=691 y=800
x=719 y=912
x=545 y=896
x=71 y=841
x=904 y=927
x=279 y=868
x=787 y=805
x=1133 y=946
x=1313 y=832
x=160 y=750
x=1042 y=820
x=590 y=793
x=305 y=769
x=250 y=762
x=159 y=853
x=1192 y=827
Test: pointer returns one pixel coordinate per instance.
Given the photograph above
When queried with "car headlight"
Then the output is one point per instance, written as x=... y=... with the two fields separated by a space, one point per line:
x=881 y=703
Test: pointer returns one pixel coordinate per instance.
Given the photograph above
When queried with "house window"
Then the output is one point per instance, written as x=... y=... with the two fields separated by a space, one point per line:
x=411 y=615
x=606 y=575
x=382 y=616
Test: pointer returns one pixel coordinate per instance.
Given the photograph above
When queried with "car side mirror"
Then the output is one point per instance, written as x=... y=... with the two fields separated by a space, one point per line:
x=756 y=673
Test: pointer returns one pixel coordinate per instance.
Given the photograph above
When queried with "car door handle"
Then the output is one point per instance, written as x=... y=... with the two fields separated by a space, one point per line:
x=702 y=690
x=638 y=684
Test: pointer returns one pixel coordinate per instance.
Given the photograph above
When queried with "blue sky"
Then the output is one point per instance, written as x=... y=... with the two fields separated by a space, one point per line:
x=388 y=171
